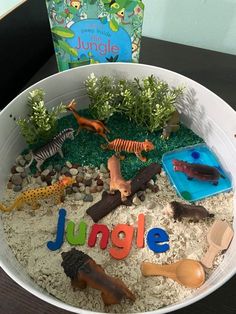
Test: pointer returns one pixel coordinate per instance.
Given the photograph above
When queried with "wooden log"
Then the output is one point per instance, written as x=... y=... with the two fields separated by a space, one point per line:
x=110 y=202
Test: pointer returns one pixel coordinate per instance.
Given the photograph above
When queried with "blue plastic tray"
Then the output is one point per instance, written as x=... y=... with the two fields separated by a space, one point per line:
x=195 y=189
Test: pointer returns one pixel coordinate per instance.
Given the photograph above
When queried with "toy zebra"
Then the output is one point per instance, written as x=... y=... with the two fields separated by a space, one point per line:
x=119 y=145
x=52 y=148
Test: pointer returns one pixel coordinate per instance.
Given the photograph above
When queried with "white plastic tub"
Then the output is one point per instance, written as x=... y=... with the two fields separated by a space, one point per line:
x=202 y=111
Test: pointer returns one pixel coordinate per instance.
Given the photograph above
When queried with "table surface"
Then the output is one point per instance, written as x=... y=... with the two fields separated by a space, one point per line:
x=216 y=71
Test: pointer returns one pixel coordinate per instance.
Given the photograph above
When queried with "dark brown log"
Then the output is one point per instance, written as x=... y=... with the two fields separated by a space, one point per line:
x=110 y=202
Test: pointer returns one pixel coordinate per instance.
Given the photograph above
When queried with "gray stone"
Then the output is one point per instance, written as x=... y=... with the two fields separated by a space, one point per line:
x=16 y=179
x=75 y=189
x=106 y=187
x=79 y=196
x=69 y=190
x=88 y=198
x=151 y=205
x=22 y=162
x=88 y=182
x=19 y=169
x=64 y=170
x=136 y=200
x=23 y=175
x=93 y=189
x=73 y=171
x=68 y=164
x=39 y=181
x=28 y=157
x=99 y=188
x=45 y=172
x=87 y=190
x=103 y=169
x=17 y=188
x=82 y=188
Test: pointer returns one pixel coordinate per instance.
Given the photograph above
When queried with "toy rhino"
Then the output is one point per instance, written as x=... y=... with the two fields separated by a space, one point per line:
x=83 y=271
x=198 y=171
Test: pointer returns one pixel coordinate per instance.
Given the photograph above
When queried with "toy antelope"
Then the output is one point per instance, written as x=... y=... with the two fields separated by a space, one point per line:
x=117 y=182
x=88 y=124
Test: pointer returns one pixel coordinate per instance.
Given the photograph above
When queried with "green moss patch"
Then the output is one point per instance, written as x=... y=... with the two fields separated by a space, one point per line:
x=86 y=149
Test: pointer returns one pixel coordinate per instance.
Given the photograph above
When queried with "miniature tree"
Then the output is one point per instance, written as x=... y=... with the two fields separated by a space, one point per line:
x=41 y=125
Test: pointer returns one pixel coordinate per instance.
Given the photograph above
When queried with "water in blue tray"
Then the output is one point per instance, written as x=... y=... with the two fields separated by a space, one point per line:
x=193 y=190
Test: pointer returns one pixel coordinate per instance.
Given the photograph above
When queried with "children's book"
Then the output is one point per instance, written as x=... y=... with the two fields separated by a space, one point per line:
x=95 y=31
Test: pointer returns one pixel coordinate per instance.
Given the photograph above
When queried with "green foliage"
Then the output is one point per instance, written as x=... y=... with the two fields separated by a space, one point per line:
x=148 y=102
x=41 y=125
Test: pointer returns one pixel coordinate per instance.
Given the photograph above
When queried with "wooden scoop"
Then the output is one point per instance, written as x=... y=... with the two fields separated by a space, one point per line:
x=219 y=238
x=187 y=272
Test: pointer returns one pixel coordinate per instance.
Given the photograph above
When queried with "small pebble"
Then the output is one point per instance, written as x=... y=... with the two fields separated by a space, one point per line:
x=16 y=179
x=28 y=157
x=87 y=190
x=151 y=205
x=79 y=178
x=50 y=168
x=106 y=187
x=82 y=188
x=99 y=182
x=69 y=190
x=22 y=162
x=93 y=189
x=68 y=164
x=23 y=175
x=9 y=185
x=103 y=169
x=148 y=191
x=88 y=198
x=64 y=170
x=19 y=169
x=99 y=188
x=39 y=181
x=75 y=189
x=17 y=188
x=79 y=196
x=45 y=172
x=73 y=171
x=68 y=174
x=136 y=201
x=13 y=170
x=88 y=182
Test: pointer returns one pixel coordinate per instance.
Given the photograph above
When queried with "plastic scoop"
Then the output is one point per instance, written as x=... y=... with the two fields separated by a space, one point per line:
x=219 y=238
x=187 y=272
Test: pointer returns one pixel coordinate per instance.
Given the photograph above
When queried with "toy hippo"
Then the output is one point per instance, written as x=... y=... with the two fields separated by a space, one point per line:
x=179 y=210
x=83 y=271
x=198 y=171
x=117 y=182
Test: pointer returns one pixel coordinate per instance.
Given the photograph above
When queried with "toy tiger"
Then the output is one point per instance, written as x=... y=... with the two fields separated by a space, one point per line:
x=119 y=145
x=31 y=196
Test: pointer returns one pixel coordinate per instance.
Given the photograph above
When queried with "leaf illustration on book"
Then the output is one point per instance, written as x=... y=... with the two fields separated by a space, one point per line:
x=114 y=25
x=63 y=32
x=67 y=48
x=103 y=20
x=112 y=59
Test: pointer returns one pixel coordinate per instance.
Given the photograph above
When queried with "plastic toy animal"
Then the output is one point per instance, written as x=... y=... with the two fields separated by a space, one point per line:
x=198 y=171
x=117 y=182
x=52 y=148
x=179 y=210
x=91 y=125
x=32 y=196
x=119 y=145
x=172 y=125
x=83 y=271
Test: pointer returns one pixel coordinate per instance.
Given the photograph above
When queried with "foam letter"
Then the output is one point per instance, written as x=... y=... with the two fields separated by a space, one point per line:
x=93 y=236
x=156 y=236
x=140 y=232
x=53 y=246
x=123 y=245
x=78 y=239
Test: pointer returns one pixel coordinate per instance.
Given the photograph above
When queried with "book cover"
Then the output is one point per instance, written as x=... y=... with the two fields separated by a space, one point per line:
x=95 y=31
